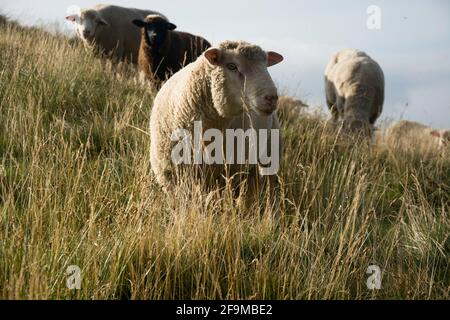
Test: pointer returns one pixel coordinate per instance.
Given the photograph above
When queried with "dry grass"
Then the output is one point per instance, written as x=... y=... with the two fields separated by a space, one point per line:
x=76 y=189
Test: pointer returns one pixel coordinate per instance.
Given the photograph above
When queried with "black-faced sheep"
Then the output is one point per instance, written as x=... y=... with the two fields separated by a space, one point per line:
x=164 y=51
x=354 y=86
x=109 y=30
x=228 y=87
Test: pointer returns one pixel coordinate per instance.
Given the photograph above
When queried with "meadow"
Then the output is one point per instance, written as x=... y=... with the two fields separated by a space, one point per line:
x=76 y=188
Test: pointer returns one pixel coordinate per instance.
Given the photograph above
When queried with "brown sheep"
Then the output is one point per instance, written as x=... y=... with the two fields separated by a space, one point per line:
x=164 y=51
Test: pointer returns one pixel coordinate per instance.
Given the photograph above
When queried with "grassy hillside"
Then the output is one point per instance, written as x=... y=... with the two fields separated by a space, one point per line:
x=76 y=189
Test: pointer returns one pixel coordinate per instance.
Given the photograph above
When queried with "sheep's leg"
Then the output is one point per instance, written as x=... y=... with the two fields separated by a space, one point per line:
x=271 y=187
x=330 y=92
x=333 y=123
x=340 y=107
x=259 y=190
x=334 y=114
x=377 y=106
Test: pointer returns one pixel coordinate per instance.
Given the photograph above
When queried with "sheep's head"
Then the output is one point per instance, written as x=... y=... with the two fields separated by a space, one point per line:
x=88 y=23
x=241 y=79
x=355 y=127
x=155 y=28
x=443 y=136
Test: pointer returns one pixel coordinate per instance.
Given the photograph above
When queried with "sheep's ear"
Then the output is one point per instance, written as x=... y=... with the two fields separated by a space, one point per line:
x=171 y=26
x=436 y=134
x=102 y=22
x=213 y=56
x=139 y=23
x=273 y=58
x=72 y=18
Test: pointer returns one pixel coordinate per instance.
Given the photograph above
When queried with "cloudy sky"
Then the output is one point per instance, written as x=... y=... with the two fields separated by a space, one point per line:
x=412 y=46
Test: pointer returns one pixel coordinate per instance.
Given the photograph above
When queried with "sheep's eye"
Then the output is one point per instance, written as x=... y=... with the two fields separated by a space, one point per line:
x=232 y=67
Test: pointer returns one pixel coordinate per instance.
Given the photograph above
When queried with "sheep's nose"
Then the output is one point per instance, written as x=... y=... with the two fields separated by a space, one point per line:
x=86 y=34
x=271 y=100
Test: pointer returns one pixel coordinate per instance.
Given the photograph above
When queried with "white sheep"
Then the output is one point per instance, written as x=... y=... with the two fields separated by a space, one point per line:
x=110 y=30
x=415 y=137
x=228 y=87
x=354 y=86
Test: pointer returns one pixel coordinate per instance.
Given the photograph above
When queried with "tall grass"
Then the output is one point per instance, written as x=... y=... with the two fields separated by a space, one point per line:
x=76 y=189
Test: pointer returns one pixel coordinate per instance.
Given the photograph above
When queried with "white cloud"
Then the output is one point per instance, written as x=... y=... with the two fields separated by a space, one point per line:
x=297 y=53
x=412 y=46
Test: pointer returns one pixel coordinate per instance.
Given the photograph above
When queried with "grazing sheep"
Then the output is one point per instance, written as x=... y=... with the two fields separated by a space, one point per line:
x=164 y=51
x=3 y=20
x=354 y=86
x=227 y=87
x=413 y=136
x=290 y=108
x=109 y=30
x=6 y=22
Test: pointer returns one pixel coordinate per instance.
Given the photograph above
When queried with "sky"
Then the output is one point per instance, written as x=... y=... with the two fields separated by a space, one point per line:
x=412 y=44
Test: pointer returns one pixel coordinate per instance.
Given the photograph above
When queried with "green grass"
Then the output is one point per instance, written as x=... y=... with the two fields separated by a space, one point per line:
x=76 y=189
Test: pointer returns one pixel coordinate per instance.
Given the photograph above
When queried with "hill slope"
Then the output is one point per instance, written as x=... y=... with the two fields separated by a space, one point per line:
x=76 y=189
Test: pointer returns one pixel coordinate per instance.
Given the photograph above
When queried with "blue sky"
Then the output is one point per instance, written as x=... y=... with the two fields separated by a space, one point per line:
x=413 y=45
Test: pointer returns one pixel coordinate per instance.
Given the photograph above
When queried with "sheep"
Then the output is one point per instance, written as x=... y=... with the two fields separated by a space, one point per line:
x=7 y=22
x=413 y=136
x=164 y=51
x=3 y=20
x=354 y=86
x=290 y=109
x=228 y=87
x=108 y=29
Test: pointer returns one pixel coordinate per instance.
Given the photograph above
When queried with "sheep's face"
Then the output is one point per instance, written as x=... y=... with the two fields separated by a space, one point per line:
x=356 y=127
x=155 y=28
x=88 y=23
x=245 y=81
x=443 y=136
x=446 y=138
